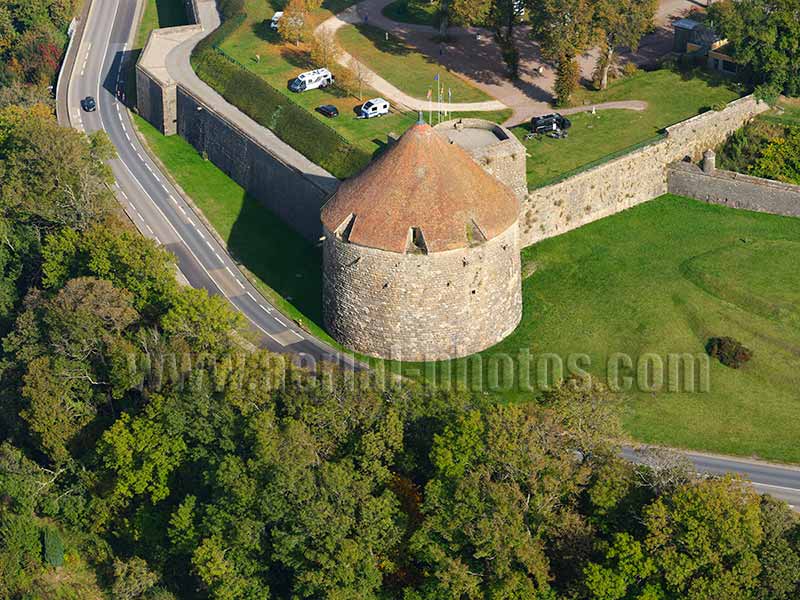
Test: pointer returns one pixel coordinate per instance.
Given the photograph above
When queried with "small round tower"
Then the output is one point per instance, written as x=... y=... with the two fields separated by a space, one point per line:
x=421 y=254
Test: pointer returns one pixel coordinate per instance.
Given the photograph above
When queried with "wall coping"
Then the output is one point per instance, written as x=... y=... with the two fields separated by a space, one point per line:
x=734 y=176
x=160 y=43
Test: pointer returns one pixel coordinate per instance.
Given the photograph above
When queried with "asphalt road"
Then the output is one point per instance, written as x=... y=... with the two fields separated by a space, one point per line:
x=153 y=204
x=160 y=213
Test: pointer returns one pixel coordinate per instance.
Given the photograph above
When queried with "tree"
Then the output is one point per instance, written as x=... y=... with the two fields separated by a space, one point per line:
x=324 y=49
x=765 y=41
x=292 y=25
x=620 y=24
x=133 y=579
x=563 y=29
x=205 y=322
x=51 y=176
x=361 y=75
x=504 y=16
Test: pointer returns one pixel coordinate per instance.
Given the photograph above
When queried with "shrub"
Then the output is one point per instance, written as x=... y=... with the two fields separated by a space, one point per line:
x=728 y=351
x=53 y=547
x=629 y=69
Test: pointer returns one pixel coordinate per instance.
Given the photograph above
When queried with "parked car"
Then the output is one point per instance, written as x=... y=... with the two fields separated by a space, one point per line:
x=328 y=110
x=311 y=80
x=273 y=23
x=89 y=104
x=553 y=124
x=373 y=108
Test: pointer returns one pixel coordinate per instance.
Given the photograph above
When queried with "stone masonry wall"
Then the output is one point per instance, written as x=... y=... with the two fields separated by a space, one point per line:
x=150 y=99
x=292 y=195
x=629 y=180
x=734 y=189
x=422 y=307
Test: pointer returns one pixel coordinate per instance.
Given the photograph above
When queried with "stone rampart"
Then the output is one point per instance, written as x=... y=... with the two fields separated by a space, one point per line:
x=628 y=180
x=734 y=190
x=291 y=194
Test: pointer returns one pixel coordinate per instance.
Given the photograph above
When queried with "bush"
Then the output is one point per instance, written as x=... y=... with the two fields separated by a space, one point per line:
x=728 y=351
x=53 y=547
x=629 y=69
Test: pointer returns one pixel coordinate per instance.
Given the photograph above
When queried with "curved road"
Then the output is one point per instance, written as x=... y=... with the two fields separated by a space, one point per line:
x=160 y=213
x=153 y=204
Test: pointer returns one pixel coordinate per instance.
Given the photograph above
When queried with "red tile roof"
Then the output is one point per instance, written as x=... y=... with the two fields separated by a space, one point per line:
x=423 y=182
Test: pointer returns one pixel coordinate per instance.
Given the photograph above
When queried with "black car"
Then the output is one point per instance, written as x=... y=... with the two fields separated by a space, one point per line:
x=546 y=124
x=328 y=110
x=89 y=104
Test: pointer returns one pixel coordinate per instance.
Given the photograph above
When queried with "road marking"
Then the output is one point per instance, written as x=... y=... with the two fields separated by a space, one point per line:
x=200 y=233
x=150 y=229
x=777 y=487
x=280 y=322
x=209 y=245
x=241 y=285
x=253 y=298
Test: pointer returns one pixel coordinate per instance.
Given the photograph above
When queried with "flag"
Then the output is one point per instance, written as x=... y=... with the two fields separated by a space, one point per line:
x=430 y=93
x=436 y=78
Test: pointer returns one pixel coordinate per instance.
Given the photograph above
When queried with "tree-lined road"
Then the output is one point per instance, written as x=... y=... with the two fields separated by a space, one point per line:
x=153 y=204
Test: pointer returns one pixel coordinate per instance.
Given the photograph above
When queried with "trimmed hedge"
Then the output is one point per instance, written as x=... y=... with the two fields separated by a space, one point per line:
x=269 y=107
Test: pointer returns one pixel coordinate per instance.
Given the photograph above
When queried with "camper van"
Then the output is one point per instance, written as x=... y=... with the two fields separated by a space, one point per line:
x=273 y=24
x=311 y=80
x=374 y=108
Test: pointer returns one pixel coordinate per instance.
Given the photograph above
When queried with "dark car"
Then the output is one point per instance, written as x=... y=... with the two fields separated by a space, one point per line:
x=550 y=124
x=89 y=104
x=328 y=110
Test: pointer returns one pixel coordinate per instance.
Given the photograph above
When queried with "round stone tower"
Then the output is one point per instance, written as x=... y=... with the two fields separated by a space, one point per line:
x=421 y=254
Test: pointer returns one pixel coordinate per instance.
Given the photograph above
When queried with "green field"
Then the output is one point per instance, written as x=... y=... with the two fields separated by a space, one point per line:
x=671 y=97
x=402 y=66
x=662 y=278
x=419 y=12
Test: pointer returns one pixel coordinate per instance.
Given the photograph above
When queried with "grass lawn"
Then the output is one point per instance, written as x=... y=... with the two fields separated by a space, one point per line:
x=402 y=66
x=420 y=12
x=662 y=278
x=671 y=97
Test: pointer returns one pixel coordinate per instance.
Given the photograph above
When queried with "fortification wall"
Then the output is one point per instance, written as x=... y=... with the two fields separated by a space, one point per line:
x=734 y=189
x=286 y=191
x=422 y=307
x=150 y=100
x=629 y=180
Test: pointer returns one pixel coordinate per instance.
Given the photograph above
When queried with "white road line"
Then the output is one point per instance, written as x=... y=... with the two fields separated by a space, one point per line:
x=200 y=233
x=228 y=269
x=209 y=245
x=218 y=256
x=776 y=487
x=241 y=285
x=150 y=229
x=280 y=322
x=253 y=298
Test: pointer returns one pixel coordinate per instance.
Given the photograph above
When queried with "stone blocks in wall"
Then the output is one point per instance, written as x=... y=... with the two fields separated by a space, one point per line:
x=422 y=307
x=734 y=190
x=630 y=179
x=289 y=193
x=151 y=100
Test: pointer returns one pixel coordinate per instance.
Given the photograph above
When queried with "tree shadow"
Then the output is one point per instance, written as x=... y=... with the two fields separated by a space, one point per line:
x=394 y=45
x=297 y=56
x=263 y=31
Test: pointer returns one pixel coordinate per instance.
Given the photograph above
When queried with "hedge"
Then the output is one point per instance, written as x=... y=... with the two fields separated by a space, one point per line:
x=269 y=107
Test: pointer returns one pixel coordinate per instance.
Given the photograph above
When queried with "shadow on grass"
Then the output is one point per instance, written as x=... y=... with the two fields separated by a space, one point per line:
x=281 y=258
x=377 y=37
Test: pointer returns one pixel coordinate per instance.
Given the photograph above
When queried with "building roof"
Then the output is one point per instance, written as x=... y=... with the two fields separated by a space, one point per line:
x=422 y=194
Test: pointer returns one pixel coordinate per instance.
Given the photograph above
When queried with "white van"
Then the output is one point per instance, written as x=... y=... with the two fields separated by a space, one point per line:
x=311 y=80
x=273 y=24
x=374 y=108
